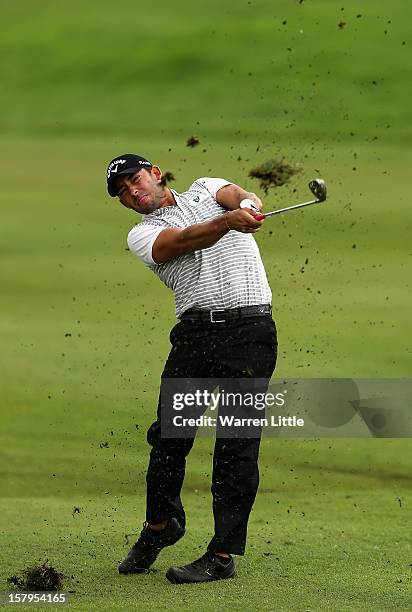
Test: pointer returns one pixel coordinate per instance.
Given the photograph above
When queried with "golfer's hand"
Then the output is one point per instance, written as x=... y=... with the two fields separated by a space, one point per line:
x=243 y=220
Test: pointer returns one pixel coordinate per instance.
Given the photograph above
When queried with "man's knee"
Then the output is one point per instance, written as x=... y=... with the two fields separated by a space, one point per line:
x=154 y=433
x=169 y=448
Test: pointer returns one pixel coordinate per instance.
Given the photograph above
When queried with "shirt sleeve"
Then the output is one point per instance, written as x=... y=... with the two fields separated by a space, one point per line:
x=140 y=241
x=212 y=185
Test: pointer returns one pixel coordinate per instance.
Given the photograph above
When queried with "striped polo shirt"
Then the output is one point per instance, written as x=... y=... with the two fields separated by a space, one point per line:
x=228 y=274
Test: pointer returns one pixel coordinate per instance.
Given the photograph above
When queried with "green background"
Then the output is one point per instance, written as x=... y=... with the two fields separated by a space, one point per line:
x=84 y=326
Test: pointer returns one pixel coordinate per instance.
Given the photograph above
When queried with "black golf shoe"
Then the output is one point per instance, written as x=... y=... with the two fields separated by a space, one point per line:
x=207 y=568
x=149 y=545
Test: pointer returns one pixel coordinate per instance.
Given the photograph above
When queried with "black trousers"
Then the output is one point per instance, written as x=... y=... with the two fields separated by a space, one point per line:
x=239 y=349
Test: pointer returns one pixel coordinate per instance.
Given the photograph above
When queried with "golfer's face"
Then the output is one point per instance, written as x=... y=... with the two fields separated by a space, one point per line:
x=140 y=191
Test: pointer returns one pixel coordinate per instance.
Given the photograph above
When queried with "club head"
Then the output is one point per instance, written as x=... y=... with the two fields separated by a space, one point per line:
x=318 y=188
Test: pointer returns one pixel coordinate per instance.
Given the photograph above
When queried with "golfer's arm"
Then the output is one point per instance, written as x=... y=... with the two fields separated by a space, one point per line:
x=230 y=196
x=174 y=242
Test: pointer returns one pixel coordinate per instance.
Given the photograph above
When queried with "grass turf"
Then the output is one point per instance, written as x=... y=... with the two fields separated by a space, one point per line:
x=84 y=326
x=323 y=536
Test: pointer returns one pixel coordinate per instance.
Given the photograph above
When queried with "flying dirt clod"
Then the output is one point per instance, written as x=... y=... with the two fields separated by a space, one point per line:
x=273 y=173
x=38 y=578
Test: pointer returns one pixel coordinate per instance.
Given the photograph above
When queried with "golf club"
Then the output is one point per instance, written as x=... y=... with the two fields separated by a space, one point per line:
x=317 y=187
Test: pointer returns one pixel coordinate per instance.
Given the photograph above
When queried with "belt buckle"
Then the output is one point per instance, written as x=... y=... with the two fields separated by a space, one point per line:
x=212 y=320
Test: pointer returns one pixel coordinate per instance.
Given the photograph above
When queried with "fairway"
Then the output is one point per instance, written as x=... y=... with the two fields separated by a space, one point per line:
x=84 y=326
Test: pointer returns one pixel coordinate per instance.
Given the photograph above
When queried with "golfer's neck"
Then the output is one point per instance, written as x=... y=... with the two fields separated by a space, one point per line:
x=167 y=199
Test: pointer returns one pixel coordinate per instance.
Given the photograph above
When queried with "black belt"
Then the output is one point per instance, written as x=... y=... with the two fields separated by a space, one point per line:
x=223 y=316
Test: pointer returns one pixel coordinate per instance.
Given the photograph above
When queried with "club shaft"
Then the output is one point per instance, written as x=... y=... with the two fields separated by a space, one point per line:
x=282 y=210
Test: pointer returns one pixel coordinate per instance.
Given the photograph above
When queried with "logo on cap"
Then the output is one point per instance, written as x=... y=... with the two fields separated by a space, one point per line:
x=114 y=165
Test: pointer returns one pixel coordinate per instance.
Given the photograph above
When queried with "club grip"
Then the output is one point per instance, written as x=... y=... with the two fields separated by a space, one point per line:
x=259 y=217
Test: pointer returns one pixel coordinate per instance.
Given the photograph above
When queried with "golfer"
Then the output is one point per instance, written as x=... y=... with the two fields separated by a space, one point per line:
x=200 y=244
